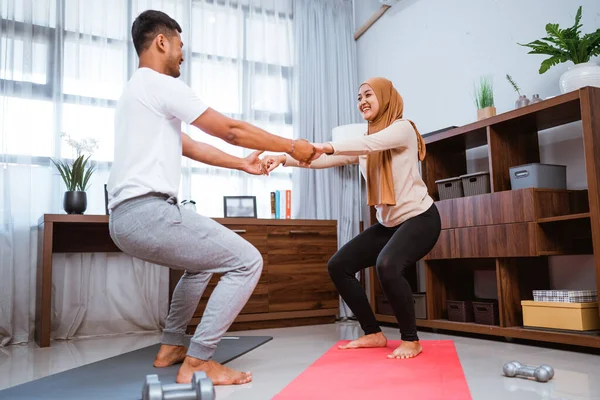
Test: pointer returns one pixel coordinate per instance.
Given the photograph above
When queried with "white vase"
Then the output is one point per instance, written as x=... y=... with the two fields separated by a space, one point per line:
x=580 y=75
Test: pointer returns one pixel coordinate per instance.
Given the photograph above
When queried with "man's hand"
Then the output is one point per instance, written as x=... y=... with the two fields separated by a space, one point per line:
x=253 y=165
x=320 y=149
x=303 y=151
x=269 y=163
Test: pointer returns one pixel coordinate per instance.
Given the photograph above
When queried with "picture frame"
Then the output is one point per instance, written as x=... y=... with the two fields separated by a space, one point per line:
x=239 y=206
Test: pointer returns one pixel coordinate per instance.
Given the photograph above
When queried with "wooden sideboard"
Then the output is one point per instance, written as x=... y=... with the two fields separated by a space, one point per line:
x=510 y=233
x=295 y=287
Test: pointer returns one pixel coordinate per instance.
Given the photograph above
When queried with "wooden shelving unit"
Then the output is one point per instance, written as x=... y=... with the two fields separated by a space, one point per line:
x=511 y=232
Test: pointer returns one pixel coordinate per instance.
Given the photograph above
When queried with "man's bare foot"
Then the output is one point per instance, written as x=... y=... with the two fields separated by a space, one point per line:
x=169 y=355
x=407 y=350
x=368 y=341
x=217 y=373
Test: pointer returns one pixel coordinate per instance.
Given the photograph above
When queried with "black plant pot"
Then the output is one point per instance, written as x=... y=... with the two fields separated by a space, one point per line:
x=75 y=202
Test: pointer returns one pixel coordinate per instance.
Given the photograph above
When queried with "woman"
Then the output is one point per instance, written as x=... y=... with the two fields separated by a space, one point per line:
x=408 y=221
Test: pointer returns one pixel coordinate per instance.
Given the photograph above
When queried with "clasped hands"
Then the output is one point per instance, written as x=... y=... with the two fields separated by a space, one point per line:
x=303 y=151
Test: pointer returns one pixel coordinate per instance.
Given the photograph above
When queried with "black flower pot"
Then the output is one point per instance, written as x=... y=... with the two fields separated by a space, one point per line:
x=75 y=202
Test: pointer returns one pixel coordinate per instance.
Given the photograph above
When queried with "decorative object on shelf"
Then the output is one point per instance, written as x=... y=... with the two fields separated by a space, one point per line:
x=535 y=99
x=543 y=373
x=537 y=175
x=522 y=101
x=189 y=204
x=484 y=99
x=564 y=45
x=239 y=206
x=76 y=174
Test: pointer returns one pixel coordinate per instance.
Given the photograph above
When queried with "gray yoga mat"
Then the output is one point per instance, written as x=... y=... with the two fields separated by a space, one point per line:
x=120 y=377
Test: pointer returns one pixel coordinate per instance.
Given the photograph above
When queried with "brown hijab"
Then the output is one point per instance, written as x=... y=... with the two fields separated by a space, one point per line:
x=380 y=181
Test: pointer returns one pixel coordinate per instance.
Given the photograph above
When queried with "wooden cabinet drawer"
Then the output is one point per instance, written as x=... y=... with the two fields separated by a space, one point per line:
x=255 y=234
x=446 y=210
x=507 y=207
x=300 y=282
x=509 y=240
x=445 y=246
x=302 y=239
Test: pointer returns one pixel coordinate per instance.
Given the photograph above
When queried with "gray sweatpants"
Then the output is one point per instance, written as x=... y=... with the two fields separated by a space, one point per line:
x=154 y=228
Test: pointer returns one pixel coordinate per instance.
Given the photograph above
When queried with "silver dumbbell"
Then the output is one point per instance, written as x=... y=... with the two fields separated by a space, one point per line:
x=201 y=388
x=543 y=373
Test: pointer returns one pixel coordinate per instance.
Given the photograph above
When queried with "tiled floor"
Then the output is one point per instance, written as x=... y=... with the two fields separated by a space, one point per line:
x=577 y=374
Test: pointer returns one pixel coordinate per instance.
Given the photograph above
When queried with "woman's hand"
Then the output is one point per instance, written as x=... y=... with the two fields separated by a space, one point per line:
x=322 y=148
x=269 y=163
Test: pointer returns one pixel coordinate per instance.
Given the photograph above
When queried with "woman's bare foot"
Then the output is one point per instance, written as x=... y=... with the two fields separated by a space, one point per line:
x=169 y=355
x=407 y=350
x=368 y=341
x=217 y=373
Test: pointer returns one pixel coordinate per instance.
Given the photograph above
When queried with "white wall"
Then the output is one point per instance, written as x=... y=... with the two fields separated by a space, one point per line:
x=435 y=52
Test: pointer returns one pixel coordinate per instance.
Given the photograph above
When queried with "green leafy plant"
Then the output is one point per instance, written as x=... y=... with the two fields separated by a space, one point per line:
x=484 y=94
x=564 y=45
x=77 y=173
x=513 y=84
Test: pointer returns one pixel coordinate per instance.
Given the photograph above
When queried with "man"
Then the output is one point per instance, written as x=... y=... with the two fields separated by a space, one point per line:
x=145 y=221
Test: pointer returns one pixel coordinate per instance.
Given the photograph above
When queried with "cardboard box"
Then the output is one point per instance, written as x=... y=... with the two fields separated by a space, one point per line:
x=569 y=316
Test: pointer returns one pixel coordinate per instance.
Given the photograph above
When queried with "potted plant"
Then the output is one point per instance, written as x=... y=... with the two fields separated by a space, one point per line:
x=76 y=174
x=522 y=101
x=568 y=44
x=484 y=99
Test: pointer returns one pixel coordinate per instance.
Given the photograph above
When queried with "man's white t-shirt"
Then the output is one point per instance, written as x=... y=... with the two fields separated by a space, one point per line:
x=148 y=117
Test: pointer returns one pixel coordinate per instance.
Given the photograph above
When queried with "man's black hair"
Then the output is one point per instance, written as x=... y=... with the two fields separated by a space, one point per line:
x=148 y=25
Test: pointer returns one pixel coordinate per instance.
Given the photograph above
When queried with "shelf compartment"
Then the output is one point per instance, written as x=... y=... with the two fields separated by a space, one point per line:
x=564 y=235
x=560 y=218
x=549 y=203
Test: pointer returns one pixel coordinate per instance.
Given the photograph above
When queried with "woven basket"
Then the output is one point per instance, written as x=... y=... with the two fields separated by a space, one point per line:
x=486 y=312
x=460 y=311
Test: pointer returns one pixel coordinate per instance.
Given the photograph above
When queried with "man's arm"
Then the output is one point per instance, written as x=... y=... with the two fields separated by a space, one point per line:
x=207 y=154
x=243 y=134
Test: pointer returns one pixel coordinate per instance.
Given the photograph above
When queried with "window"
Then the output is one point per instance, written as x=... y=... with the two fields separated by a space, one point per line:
x=238 y=59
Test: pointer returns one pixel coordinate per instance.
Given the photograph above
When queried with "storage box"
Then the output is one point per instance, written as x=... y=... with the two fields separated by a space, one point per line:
x=420 y=300
x=477 y=183
x=538 y=175
x=566 y=296
x=450 y=188
x=460 y=311
x=554 y=315
x=486 y=312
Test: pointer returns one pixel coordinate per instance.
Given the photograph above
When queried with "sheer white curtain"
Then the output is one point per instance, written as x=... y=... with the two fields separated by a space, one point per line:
x=63 y=65
x=327 y=81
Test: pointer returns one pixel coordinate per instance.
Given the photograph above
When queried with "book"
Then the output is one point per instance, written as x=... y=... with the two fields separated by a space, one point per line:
x=277 y=204
x=288 y=204
x=273 y=214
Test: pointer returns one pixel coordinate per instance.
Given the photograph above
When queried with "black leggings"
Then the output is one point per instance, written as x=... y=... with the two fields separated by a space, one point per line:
x=391 y=250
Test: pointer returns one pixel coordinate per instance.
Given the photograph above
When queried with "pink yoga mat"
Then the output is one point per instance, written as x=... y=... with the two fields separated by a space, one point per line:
x=368 y=374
